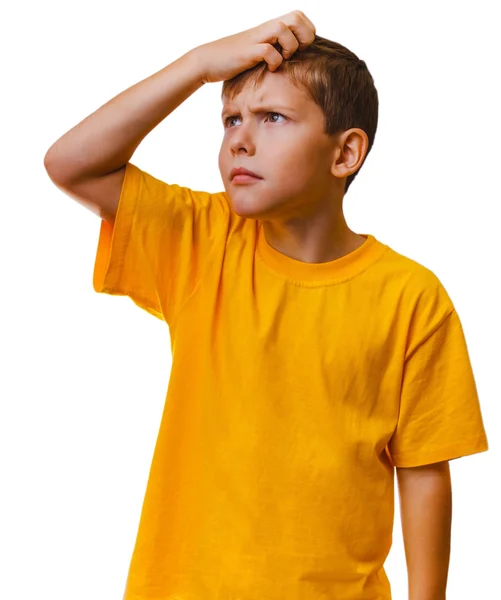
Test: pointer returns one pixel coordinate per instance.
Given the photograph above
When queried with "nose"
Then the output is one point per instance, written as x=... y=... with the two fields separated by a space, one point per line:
x=242 y=140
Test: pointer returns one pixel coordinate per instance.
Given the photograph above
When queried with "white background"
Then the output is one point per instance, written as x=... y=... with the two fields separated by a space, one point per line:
x=84 y=375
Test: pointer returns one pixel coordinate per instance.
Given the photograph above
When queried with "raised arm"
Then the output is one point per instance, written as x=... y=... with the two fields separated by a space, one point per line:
x=88 y=162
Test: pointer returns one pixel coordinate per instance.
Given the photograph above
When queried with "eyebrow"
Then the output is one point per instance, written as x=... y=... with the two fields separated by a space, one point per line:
x=258 y=109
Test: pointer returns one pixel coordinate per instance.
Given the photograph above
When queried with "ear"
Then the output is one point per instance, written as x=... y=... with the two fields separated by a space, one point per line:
x=350 y=152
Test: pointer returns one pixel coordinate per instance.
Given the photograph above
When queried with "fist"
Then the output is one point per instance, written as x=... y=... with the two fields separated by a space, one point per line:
x=227 y=57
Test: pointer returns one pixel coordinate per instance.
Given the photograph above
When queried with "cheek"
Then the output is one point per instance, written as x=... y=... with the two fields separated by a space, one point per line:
x=294 y=162
x=222 y=159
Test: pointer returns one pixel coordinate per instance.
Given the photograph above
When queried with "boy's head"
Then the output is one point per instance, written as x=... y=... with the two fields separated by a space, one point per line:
x=310 y=151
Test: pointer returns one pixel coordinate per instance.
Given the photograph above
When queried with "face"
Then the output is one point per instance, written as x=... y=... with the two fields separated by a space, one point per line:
x=276 y=131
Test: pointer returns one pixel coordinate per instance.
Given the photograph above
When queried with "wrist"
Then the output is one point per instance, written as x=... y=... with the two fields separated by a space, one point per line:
x=195 y=59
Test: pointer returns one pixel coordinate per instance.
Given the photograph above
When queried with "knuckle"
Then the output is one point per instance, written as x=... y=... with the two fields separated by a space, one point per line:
x=272 y=53
x=282 y=26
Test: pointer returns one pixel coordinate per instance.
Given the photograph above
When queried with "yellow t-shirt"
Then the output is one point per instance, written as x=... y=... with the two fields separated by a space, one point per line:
x=295 y=390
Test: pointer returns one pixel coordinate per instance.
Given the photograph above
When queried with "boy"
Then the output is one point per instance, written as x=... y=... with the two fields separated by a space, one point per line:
x=308 y=361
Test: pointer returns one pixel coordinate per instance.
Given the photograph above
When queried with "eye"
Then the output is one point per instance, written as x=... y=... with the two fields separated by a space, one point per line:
x=276 y=114
x=228 y=119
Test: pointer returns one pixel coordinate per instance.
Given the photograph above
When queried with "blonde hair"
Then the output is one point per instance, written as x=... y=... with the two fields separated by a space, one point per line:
x=335 y=79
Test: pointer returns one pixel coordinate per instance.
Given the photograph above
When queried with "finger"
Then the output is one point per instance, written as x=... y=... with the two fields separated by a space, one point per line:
x=301 y=27
x=269 y=54
x=286 y=39
x=308 y=21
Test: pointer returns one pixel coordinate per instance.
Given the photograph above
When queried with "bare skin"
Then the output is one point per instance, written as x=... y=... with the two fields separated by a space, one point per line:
x=426 y=513
x=276 y=131
x=304 y=218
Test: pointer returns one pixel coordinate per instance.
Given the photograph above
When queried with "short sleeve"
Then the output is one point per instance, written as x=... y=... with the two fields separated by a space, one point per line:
x=440 y=417
x=160 y=243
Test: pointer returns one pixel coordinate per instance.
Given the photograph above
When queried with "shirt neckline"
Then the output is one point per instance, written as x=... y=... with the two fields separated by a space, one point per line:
x=335 y=271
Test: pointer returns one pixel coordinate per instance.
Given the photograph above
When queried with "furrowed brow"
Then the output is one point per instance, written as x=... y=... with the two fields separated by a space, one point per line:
x=258 y=109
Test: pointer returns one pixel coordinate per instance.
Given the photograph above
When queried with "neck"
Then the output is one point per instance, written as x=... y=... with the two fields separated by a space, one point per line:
x=314 y=240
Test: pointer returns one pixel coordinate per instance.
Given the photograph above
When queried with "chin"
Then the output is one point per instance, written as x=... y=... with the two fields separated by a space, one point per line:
x=253 y=206
x=250 y=209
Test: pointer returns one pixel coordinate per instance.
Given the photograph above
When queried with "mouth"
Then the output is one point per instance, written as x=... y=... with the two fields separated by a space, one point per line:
x=241 y=175
x=245 y=178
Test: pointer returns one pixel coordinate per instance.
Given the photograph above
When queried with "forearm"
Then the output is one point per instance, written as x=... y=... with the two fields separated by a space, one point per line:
x=106 y=139
x=426 y=512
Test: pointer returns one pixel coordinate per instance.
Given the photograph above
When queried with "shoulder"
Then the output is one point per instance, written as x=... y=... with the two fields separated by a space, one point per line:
x=423 y=301
x=162 y=193
x=420 y=284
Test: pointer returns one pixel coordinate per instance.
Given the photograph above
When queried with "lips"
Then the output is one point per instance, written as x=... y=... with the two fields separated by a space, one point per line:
x=242 y=171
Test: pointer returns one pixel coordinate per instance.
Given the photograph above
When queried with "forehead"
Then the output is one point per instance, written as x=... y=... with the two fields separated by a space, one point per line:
x=275 y=88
